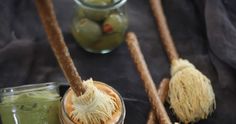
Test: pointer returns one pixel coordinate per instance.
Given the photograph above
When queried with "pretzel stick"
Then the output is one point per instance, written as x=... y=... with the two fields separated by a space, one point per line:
x=164 y=30
x=56 y=40
x=148 y=83
x=162 y=93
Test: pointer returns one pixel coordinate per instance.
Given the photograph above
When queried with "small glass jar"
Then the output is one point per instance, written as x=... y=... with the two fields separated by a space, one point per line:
x=99 y=26
x=117 y=117
x=30 y=104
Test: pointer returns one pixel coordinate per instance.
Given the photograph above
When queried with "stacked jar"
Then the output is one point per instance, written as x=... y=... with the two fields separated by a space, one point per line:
x=99 y=26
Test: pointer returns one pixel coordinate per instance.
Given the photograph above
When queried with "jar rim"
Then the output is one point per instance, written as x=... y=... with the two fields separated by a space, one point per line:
x=27 y=88
x=114 y=5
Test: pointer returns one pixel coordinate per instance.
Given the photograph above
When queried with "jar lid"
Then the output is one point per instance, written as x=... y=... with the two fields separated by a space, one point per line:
x=27 y=88
x=101 y=5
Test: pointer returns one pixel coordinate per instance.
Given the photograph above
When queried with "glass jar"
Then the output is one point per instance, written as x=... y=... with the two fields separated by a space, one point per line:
x=99 y=26
x=36 y=104
x=117 y=117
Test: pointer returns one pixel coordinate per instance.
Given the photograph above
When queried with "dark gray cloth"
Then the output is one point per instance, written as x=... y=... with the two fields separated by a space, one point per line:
x=203 y=31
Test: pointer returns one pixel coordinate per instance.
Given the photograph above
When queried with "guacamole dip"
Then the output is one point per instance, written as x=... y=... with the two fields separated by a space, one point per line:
x=34 y=107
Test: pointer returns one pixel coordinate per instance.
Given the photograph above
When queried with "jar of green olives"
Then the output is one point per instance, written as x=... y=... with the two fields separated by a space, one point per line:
x=99 y=26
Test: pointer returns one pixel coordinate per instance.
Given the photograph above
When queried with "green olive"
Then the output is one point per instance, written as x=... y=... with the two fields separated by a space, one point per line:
x=115 y=23
x=98 y=2
x=97 y=15
x=79 y=13
x=86 y=32
x=108 y=42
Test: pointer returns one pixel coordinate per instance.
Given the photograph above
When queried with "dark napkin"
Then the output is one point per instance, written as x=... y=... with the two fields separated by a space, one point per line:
x=203 y=31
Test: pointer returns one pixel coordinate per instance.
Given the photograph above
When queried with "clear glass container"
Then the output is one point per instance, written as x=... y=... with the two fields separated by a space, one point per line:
x=30 y=104
x=99 y=26
x=117 y=118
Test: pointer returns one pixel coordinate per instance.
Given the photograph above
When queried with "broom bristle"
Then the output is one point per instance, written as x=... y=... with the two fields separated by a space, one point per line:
x=94 y=106
x=190 y=92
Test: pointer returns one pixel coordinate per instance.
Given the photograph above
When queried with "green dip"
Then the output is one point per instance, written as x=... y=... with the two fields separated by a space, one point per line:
x=35 y=107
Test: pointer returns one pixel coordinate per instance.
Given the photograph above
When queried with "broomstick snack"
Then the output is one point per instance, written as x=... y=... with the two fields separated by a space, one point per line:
x=89 y=103
x=190 y=92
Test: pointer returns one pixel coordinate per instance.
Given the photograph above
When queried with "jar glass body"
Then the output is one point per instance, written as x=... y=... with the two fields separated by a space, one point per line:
x=36 y=103
x=99 y=26
x=117 y=118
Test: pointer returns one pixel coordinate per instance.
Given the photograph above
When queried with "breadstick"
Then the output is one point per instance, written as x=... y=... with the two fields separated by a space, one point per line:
x=162 y=93
x=148 y=83
x=56 y=40
x=164 y=29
